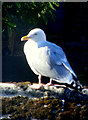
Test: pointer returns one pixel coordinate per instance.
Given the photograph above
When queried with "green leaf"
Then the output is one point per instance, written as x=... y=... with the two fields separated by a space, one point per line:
x=51 y=6
x=11 y=24
x=18 y=5
x=14 y=14
x=39 y=15
x=5 y=19
x=56 y=4
x=45 y=19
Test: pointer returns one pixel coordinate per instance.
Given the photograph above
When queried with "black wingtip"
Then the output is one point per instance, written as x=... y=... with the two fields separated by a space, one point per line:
x=76 y=84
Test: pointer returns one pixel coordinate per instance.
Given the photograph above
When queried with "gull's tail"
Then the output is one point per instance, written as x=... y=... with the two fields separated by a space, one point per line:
x=75 y=84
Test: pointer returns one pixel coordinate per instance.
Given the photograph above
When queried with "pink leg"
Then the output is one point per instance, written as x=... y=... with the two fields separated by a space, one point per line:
x=50 y=83
x=37 y=86
x=40 y=78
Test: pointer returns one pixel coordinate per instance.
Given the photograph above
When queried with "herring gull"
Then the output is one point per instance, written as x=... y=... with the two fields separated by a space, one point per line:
x=48 y=59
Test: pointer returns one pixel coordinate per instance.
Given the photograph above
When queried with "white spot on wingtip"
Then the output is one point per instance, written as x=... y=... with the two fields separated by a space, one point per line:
x=78 y=87
x=74 y=85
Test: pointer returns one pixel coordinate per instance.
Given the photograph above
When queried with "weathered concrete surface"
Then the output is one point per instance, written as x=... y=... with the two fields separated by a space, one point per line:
x=56 y=91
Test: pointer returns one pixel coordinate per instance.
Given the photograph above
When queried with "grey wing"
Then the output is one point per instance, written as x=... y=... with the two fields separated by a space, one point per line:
x=58 y=57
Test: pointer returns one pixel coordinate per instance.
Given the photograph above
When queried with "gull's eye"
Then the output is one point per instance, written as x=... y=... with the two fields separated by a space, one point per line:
x=35 y=34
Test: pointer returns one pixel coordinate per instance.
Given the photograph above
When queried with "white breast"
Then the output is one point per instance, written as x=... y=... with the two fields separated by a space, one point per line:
x=29 y=50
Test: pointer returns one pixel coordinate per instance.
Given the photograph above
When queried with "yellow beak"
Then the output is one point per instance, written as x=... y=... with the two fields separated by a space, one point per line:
x=25 y=38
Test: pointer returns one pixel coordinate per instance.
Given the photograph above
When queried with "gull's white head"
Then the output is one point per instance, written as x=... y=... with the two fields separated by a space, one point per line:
x=36 y=35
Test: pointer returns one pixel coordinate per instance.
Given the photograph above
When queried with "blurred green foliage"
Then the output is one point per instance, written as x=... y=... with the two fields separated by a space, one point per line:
x=17 y=13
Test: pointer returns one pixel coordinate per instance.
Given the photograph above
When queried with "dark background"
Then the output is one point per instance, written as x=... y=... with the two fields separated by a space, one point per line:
x=69 y=30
